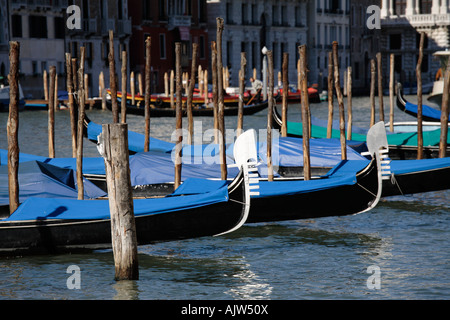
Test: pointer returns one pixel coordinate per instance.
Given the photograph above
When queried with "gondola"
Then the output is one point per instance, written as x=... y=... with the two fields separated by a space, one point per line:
x=402 y=145
x=197 y=110
x=351 y=187
x=42 y=226
x=428 y=113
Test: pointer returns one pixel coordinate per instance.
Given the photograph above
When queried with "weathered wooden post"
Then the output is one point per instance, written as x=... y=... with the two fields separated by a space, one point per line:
x=444 y=114
x=45 y=80
x=12 y=127
x=305 y=107
x=179 y=119
x=284 y=107
x=270 y=116
x=86 y=86
x=200 y=80
x=330 y=95
x=419 y=99
x=123 y=227
x=166 y=84
x=349 y=103
x=133 y=88
x=81 y=113
x=140 y=85
x=220 y=90
x=74 y=74
x=51 y=114
x=55 y=93
x=102 y=92
x=112 y=79
x=214 y=90
x=148 y=47
x=240 y=122
x=391 y=92
x=205 y=84
x=172 y=90
x=380 y=86
x=123 y=109
x=73 y=117
x=340 y=101
x=190 y=93
x=372 y=92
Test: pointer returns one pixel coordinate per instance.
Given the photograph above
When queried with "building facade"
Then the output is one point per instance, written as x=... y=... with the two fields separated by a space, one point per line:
x=250 y=25
x=401 y=24
x=41 y=28
x=329 y=20
x=168 y=22
x=364 y=45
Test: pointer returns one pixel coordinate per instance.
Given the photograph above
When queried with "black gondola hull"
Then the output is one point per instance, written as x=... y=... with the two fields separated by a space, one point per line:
x=196 y=111
x=64 y=236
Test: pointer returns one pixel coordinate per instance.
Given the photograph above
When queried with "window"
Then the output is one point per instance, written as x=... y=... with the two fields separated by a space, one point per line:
x=400 y=7
x=284 y=20
x=244 y=14
x=229 y=54
x=425 y=6
x=85 y=9
x=43 y=66
x=425 y=41
x=254 y=14
x=38 y=26
x=398 y=63
x=16 y=21
x=275 y=20
x=229 y=13
x=254 y=54
x=424 y=66
x=201 y=47
x=59 y=28
x=34 y=67
x=162 y=46
x=120 y=9
x=395 y=41
x=146 y=10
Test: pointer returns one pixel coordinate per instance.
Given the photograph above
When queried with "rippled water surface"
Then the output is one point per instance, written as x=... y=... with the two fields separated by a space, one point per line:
x=404 y=237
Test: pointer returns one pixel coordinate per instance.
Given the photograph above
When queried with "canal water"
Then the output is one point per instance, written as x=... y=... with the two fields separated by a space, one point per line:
x=399 y=250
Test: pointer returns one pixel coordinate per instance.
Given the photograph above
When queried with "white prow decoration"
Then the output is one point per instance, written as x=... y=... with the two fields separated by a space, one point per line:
x=246 y=157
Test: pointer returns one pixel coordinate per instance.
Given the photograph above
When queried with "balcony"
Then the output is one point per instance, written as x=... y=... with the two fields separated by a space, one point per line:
x=180 y=21
x=417 y=20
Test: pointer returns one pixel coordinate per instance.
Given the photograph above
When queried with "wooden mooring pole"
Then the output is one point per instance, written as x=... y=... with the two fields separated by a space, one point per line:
x=240 y=120
x=340 y=99
x=284 y=107
x=148 y=79
x=123 y=227
x=221 y=106
x=45 y=80
x=191 y=86
x=123 y=109
x=349 y=103
x=380 y=85
x=72 y=110
x=419 y=98
x=330 y=95
x=372 y=92
x=444 y=114
x=51 y=114
x=214 y=90
x=12 y=127
x=391 y=91
x=269 y=115
x=112 y=79
x=81 y=112
x=305 y=116
x=179 y=119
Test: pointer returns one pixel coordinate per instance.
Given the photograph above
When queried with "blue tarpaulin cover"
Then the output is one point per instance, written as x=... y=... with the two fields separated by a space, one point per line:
x=410 y=166
x=91 y=165
x=427 y=111
x=38 y=179
x=342 y=174
x=41 y=208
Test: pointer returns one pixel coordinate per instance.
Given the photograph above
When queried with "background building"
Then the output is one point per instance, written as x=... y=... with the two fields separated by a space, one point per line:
x=250 y=25
x=168 y=22
x=401 y=23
